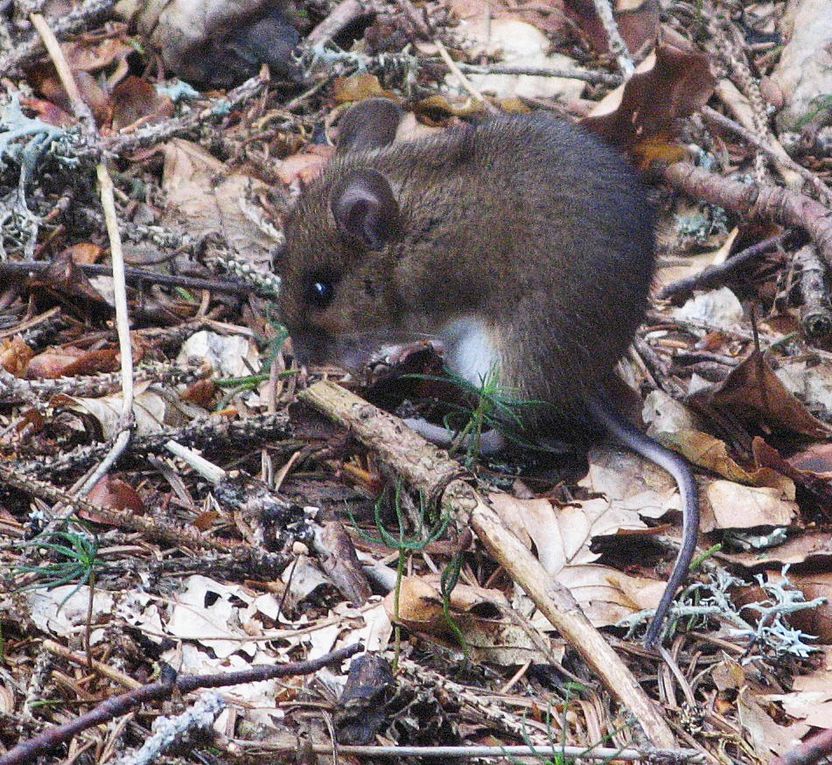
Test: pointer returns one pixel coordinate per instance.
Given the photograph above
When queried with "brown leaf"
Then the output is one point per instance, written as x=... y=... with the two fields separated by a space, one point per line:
x=114 y=494
x=15 y=356
x=811 y=468
x=69 y=361
x=84 y=253
x=94 y=55
x=64 y=277
x=766 y=735
x=753 y=392
x=637 y=20
x=817 y=621
x=678 y=83
x=48 y=112
x=357 y=88
x=709 y=452
x=210 y=197
x=136 y=99
x=811 y=547
x=735 y=506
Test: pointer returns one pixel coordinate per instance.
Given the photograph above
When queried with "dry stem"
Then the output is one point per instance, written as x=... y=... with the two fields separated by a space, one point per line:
x=431 y=471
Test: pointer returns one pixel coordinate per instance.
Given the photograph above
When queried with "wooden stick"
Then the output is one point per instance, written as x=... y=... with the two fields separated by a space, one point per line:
x=431 y=471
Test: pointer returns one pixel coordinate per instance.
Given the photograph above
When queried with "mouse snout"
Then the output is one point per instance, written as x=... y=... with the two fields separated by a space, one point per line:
x=310 y=348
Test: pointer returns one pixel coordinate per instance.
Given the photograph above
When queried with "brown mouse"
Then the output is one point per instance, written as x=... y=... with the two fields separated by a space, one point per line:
x=523 y=243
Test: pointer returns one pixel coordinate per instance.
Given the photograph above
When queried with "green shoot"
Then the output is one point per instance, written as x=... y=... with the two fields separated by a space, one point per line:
x=497 y=408
x=427 y=531
x=77 y=562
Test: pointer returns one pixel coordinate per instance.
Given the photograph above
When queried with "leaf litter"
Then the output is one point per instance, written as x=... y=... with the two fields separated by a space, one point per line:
x=750 y=403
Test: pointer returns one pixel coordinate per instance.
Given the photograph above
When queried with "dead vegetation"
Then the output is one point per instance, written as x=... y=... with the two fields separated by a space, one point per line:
x=180 y=510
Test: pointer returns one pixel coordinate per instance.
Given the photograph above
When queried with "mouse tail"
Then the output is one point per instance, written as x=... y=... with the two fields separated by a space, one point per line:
x=630 y=436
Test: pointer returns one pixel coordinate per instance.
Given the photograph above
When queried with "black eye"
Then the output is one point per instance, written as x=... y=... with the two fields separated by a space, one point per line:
x=320 y=293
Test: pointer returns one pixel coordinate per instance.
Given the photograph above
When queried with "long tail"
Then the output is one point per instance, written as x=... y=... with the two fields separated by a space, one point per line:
x=678 y=467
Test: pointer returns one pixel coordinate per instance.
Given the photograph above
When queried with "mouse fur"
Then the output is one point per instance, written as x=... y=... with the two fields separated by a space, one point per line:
x=522 y=241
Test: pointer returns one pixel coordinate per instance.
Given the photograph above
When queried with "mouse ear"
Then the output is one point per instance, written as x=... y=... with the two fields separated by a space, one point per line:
x=370 y=124
x=365 y=208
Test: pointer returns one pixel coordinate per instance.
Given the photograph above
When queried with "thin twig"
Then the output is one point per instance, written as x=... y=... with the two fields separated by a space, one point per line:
x=757 y=201
x=597 y=754
x=713 y=276
x=27 y=751
x=779 y=157
x=463 y=80
x=74 y=21
x=586 y=75
x=83 y=113
x=79 y=107
x=615 y=41
x=136 y=276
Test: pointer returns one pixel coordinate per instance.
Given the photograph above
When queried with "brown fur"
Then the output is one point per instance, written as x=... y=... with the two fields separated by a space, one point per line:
x=527 y=222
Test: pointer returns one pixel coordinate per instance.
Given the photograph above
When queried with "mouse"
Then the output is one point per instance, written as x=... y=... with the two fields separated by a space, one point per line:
x=522 y=244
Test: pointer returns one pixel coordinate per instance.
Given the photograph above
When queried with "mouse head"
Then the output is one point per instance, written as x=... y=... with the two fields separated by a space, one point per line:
x=336 y=296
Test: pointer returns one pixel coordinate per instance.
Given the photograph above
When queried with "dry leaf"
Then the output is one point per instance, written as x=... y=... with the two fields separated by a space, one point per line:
x=136 y=99
x=706 y=451
x=753 y=392
x=15 y=356
x=202 y=191
x=743 y=507
x=670 y=84
x=765 y=734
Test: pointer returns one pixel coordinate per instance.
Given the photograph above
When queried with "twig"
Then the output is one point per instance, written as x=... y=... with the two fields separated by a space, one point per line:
x=412 y=15
x=169 y=534
x=713 y=276
x=209 y=433
x=463 y=80
x=341 y=16
x=816 y=311
x=74 y=21
x=430 y=471
x=218 y=110
x=133 y=276
x=778 y=156
x=53 y=48
x=176 y=730
x=83 y=113
x=586 y=75
x=27 y=751
x=615 y=41
x=758 y=201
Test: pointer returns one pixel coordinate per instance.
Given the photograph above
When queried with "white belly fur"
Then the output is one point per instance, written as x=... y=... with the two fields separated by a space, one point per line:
x=470 y=350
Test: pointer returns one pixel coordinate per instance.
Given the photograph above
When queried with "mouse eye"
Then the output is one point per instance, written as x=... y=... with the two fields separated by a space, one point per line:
x=320 y=293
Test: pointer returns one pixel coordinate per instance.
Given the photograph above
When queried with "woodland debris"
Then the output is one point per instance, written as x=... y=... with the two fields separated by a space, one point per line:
x=428 y=470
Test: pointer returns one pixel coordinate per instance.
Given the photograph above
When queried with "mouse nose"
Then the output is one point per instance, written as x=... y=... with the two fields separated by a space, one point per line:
x=308 y=348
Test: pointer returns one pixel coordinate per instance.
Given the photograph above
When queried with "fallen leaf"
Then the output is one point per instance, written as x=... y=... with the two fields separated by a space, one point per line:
x=765 y=734
x=637 y=21
x=735 y=506
x=753 y=392
x=136 y=99
x=562 y=535
x=69 y=361
x=489 y=635
x=706 y=451
x=204 y=192
x=15 y=356
x=357 y=88
x=115 y=494
x=669 y=84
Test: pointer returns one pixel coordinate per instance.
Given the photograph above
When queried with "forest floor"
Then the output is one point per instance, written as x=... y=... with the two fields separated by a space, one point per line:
x=182 y=509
